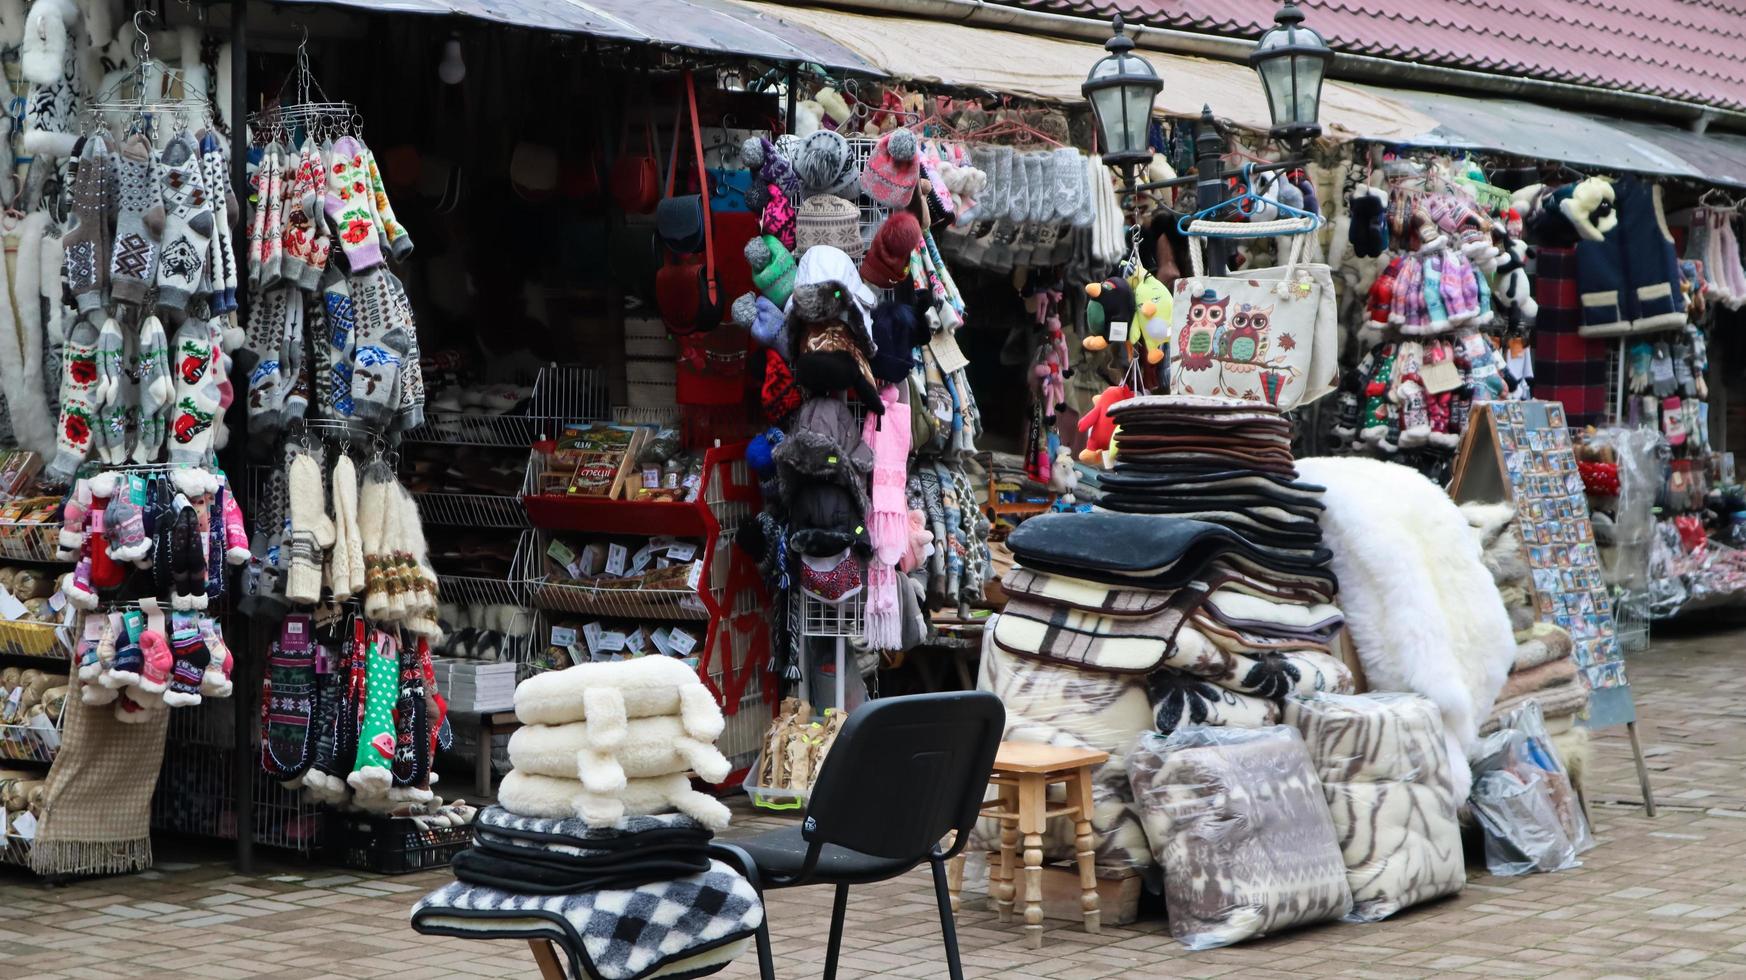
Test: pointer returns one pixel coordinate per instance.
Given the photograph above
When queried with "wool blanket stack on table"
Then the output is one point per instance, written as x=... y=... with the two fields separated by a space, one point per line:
x=1200 y=597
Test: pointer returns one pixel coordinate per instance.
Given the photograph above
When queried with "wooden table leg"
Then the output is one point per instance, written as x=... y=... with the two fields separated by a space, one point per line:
x=547 y=959
x=1003 y=887
x=1079 y=795
x=1033 y=798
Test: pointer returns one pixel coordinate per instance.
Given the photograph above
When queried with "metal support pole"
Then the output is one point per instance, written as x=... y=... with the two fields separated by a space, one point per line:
x=793 y=97
x=1209 y=187
x=247 y=680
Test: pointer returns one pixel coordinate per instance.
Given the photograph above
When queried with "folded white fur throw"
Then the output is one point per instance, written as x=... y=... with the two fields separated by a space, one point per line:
x=528 y=795
x=1422 y=610
x=654 y=746
x=605 y=695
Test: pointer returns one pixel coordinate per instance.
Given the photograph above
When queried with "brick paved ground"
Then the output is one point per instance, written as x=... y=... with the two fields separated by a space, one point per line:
x=1659 y=897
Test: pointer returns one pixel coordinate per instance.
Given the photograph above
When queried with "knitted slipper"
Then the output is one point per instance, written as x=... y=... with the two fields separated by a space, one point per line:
x=288 y=700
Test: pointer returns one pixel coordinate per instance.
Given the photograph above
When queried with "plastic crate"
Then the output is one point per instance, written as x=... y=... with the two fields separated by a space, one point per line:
x=392 y=845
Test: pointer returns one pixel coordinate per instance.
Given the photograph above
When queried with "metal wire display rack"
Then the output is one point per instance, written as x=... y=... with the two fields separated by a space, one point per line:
x=30 y=541
x=471 y=510
x=560 y=394
x=32 y=741
x=196 y=786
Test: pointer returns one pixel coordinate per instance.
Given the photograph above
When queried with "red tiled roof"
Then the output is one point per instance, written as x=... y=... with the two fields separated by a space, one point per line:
x=1690 y=50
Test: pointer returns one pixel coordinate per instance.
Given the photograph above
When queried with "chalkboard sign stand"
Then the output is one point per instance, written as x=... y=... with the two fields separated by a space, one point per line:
x=1520 y=452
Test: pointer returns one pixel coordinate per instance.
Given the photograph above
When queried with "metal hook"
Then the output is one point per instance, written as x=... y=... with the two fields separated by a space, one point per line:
x=144 y=49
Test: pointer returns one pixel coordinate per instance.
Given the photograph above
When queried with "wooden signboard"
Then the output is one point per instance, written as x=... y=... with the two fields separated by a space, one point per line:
x=1520 y=452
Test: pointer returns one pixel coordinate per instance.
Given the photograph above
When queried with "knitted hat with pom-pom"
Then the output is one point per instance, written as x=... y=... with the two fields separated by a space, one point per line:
x=829 y=220
x=772 y=268
x=759 y=450
x=887 y=260
x=893 y=169
x=824 y=164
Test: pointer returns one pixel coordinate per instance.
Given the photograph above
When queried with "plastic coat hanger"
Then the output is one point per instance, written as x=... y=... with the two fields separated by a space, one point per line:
x=1246 y=204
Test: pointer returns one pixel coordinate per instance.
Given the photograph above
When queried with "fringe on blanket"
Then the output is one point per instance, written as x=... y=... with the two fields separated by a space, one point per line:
x=65 y=857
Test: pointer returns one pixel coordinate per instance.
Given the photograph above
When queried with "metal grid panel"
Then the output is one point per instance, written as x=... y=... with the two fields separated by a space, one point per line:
x=29 y=540
x=823 y=619
x=471 y=510
x=31 y=743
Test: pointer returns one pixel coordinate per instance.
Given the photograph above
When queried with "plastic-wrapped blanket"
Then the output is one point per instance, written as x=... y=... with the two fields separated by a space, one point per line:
x=1238 y=821
x=1382 y=763
x=1079 y=709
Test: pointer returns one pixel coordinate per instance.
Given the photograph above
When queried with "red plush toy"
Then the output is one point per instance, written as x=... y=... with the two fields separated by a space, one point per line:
x=1100 y=425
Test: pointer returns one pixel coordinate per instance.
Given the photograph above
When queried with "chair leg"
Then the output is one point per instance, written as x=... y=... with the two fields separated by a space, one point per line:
x=736 y=856
x=838 y=908
x=948 y=927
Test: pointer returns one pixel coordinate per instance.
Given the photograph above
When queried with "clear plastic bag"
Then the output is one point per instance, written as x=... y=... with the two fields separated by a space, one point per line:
x=1513 y=804
x=1383 y=760
x=1237 y=819
x=1533 y=758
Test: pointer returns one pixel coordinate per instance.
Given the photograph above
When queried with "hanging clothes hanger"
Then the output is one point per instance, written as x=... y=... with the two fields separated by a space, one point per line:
x=1293 y=221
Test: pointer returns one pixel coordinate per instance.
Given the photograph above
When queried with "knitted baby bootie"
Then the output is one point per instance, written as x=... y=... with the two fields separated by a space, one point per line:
x=190 y=660
x=215 y=683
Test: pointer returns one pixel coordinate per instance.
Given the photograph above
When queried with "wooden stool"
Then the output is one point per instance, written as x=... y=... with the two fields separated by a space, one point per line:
x=1023 y=773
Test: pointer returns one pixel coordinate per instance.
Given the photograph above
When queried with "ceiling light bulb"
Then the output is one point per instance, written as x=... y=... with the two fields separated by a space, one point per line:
x=452 y=69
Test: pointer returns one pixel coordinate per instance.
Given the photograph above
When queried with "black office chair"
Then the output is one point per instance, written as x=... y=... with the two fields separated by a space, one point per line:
x=903 y=772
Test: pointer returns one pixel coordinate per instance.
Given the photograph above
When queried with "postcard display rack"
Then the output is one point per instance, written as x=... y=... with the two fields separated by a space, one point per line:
x=1521 y=452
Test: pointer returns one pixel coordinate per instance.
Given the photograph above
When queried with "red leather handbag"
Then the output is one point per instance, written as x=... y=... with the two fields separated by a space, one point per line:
x=636 y=177
x=686 y=287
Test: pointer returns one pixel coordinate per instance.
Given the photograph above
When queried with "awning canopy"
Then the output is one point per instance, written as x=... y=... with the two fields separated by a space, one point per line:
x=1531 y=130
x=720 y=26
x=1051 y=69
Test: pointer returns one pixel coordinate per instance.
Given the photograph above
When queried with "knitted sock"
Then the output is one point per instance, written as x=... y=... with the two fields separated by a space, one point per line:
x=111 y=435
x=411 y=765
x=311 y=531
x=139 y=223
x=294 y=367
x=268 y=313
x=272 y=243
x=1019 y=193
x=236 y=533
x=399 y=240
x=88 y=234
x=221 y=265
x=381 y=347
x=1040 y=175
x=187 y=561
x=371 y=768
x=154 y=644
x=197 y=399
x=85 y=656
x=157 y=389
x=215 y=683
x=191 y=658
x=124 y=525
x=128 y=665
x=1001 y=194
x=187 y=223
x=288 y=700
x=339 y=340
x=1067 y=180
x=410 y=413
x=349 y=205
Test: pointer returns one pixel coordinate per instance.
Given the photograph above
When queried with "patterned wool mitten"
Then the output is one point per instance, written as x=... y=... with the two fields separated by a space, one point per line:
x=188 y=224
x=139 y=223
x=288 y=700
x=154 y=644
x=197 y=397
x=215 y=683
x=349 y=205
x=191 y=658
x=127 y=668
x=372 y=773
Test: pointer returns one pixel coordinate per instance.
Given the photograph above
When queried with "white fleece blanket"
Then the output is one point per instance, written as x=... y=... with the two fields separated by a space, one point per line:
x=1381 y=762
x=1421 y=608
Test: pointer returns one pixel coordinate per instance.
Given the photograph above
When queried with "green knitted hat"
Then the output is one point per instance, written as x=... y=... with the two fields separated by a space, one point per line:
x=772 y=268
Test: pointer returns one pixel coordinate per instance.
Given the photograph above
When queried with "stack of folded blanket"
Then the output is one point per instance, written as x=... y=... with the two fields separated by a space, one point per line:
x=1544 y=669
x=1200 y=595
x=602 y=741
x=548 y=857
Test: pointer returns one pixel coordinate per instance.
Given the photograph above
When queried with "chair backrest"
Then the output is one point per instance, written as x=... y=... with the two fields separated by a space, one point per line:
x=903 y=771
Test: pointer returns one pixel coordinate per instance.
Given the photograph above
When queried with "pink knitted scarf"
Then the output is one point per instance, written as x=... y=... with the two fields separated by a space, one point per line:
x=888 y=520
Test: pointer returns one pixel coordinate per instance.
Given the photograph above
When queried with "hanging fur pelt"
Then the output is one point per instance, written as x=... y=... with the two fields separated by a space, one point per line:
x=1422 y=609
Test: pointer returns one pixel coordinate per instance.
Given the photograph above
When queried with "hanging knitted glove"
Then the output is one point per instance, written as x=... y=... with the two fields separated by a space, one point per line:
x=372 y=774
x=288 y=700
x=191 y=660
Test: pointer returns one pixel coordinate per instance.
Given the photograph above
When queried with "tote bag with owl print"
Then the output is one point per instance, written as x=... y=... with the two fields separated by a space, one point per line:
x=1269 y=335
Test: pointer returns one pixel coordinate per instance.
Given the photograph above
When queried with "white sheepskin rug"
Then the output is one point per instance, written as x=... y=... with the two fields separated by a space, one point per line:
x=1421 y=607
